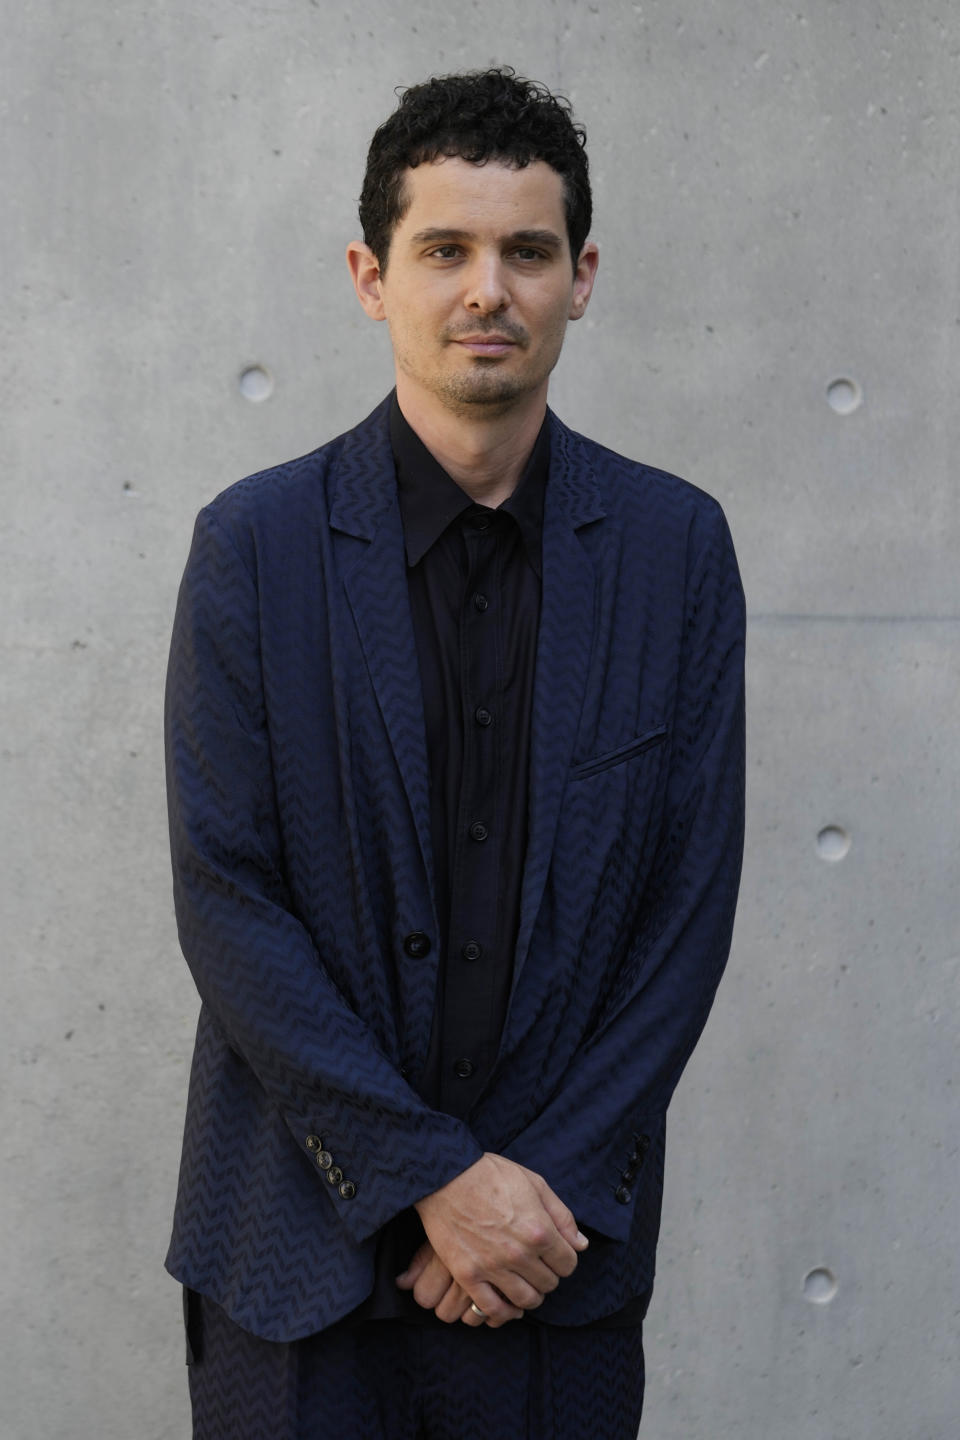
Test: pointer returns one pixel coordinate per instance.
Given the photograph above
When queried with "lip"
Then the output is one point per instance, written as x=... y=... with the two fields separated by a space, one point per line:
x=486 y=344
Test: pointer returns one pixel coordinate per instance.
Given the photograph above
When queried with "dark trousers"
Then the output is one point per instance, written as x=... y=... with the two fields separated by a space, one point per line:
x=391 y=1380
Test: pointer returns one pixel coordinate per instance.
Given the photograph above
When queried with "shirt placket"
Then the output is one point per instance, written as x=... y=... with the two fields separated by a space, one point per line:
x=474 y=935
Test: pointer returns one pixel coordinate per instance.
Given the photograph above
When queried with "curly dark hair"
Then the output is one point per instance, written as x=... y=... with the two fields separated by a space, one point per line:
x=478 y=116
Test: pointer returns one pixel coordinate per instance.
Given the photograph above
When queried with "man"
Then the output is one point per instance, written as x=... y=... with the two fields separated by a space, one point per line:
x=455 y=746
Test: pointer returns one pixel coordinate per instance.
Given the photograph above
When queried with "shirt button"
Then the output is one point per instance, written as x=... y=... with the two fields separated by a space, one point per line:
x=472 y=950
x=464 y=1068
x=481 y=601
x=480 y=522
x=417 y=944
x=478 y=831
x=482 y=716
x=622 y=1194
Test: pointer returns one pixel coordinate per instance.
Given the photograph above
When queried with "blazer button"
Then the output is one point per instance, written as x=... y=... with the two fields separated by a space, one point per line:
x=324 y=1159
x=622 y=1194
x=334 y=1174
x=347 y=1189
x=417 y=944
x=313 y=1142
x=464 y=1068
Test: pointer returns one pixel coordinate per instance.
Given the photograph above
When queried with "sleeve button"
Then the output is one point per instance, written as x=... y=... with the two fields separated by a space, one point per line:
x=347 y=1189
x=324 y=1159
x=334 y=1174
x=622 y=1194
x=313 y=1142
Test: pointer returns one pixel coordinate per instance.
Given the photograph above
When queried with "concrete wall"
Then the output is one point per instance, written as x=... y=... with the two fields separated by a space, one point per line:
x=777 y=207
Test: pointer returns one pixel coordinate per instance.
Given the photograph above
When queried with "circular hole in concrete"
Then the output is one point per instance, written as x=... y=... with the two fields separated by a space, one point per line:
x=256 y=383
x=833 y=842
x=844 y=395
x=819 y=1286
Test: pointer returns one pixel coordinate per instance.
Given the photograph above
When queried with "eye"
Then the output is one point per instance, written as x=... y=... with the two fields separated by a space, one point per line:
x=530 y=255
x=444 y=252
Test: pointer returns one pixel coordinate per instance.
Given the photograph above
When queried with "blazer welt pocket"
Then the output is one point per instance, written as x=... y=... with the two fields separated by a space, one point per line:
x=623 y=752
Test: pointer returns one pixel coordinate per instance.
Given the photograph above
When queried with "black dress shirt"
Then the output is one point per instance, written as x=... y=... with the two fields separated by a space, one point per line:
x=474 y=584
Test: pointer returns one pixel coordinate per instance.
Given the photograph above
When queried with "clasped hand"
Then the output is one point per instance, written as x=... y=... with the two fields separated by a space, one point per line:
x=497 y=1236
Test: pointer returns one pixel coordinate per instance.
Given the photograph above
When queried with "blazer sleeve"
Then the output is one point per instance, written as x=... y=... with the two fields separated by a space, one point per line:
x=254 y=964
x=590 y=1140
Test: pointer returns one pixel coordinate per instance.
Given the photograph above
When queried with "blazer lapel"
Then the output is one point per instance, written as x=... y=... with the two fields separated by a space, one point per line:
x=373 y=564
x=564 y=645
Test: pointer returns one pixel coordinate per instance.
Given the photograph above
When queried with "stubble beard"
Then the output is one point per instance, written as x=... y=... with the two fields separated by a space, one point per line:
x=482 y=386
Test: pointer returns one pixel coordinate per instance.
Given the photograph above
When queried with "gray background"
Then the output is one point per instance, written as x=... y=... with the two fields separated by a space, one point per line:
x=777 y=208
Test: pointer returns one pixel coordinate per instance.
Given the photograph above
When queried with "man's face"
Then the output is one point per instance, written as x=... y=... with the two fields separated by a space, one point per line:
x=480 y=284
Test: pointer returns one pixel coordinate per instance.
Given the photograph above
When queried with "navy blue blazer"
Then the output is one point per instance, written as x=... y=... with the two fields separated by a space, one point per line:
x=300 y=826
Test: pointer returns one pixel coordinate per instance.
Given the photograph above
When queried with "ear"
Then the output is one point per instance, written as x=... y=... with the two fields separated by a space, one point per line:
x=584 y=276
x=364 y=270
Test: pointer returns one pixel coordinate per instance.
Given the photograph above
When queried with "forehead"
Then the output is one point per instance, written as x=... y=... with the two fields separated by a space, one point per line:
x=489 y=199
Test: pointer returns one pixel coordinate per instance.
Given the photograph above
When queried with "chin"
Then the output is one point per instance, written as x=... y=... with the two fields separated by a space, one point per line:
x=473 y=391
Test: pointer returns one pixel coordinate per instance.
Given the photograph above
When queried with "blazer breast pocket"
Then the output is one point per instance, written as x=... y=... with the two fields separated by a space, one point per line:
x=610 y=758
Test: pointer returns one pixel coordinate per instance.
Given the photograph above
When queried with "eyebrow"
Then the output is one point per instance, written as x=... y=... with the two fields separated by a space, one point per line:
x=436 y=235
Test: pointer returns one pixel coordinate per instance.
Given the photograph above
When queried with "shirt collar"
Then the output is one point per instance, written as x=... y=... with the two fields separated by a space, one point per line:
x=430 y=499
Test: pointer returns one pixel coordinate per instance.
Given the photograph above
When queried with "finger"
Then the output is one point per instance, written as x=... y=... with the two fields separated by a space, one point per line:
x=555 y=1250
x=497 y=1309
x=559 y=1256
x=518 y=1291
x=453 y=1305
x=540 y=1244
x=536 y=1273
x=433 y=1284
x=408 y=1278
x=562 y=1216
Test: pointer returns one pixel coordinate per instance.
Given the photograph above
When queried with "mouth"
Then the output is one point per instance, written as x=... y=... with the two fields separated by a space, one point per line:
x=486 y=344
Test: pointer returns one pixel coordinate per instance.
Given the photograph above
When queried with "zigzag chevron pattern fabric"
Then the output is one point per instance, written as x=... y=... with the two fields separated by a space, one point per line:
x=299 y=815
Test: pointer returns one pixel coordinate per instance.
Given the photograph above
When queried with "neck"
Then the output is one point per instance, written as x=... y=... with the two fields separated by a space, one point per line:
x=484 y=453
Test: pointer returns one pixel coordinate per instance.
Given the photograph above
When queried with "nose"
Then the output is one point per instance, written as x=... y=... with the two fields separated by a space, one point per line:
x=487 y=290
